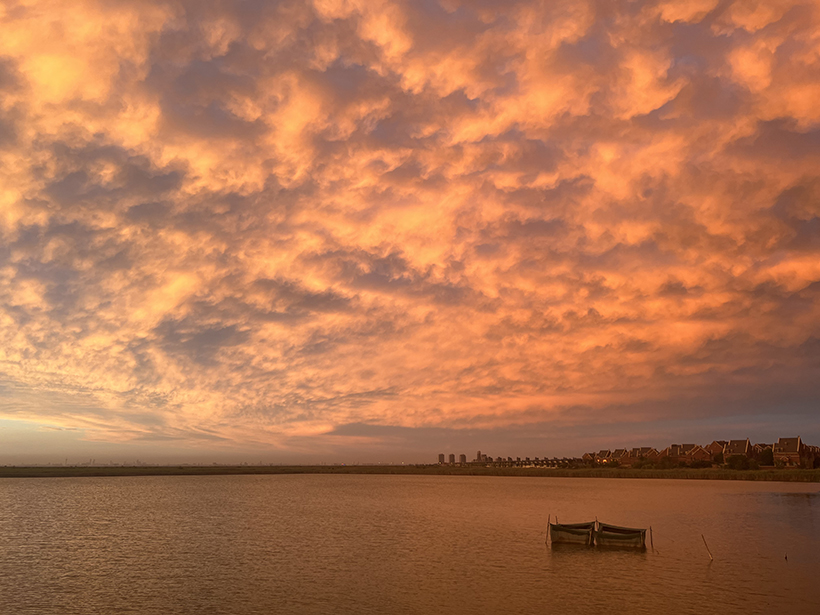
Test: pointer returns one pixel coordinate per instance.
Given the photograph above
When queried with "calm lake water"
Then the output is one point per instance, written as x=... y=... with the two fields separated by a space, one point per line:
x=401 y=544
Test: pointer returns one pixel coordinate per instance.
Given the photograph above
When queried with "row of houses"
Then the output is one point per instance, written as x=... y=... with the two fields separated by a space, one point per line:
x=786 y=451
x=510 y=462
x=535 y=462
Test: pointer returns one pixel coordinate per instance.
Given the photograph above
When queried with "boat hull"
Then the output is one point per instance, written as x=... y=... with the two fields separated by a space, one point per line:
x=620 y=537
x=597 y=534
x=576 y=533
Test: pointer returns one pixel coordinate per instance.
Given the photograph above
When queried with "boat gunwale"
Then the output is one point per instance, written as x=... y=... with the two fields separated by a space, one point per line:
x=619 y=530
x=574 y=526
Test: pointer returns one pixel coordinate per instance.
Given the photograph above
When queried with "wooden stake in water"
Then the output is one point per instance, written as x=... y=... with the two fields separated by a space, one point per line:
x=707 y=549
x=651 y=540
x=548 y=529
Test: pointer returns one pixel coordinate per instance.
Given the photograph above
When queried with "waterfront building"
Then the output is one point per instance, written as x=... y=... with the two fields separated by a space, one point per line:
x=715 y=448
x=698 y=453
x=738 y=447
x=788 y=451
x=618 y=454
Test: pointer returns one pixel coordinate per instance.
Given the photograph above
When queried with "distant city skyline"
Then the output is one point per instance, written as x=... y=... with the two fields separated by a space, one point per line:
x=331 y=231
x=791 y=451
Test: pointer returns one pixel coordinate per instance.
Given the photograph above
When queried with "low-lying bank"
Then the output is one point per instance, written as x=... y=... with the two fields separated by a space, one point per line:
x=788 y=475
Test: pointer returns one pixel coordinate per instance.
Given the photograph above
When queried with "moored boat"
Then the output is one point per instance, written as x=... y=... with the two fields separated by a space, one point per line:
x=616 y=536
x=572 y=533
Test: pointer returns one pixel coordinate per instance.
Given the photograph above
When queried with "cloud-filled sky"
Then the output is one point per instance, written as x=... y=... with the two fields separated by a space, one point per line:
x=378 y=230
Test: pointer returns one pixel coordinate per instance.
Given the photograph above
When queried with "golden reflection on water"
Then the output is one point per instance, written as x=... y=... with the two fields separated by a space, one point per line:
x=399 y=544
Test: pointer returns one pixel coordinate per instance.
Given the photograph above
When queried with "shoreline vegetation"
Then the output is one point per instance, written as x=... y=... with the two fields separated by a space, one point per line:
x=782 y=475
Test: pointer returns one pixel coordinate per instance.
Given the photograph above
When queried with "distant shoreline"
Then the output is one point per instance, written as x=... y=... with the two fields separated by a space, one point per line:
x=782 y=475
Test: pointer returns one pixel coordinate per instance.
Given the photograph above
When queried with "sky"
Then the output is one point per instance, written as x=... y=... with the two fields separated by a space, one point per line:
x=372 y=231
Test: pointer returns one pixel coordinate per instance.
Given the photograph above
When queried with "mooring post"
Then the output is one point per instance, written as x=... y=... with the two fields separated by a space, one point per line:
x=547 y=537
x=651 y=540
x=707 y=549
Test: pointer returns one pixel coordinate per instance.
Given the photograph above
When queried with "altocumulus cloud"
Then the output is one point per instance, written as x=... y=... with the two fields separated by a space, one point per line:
x=265 y=222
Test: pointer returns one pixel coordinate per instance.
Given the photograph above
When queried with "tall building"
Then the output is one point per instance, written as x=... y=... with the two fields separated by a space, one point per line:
x=478 y=456
x=452 y=459
x=441 y=457
x=462 y=459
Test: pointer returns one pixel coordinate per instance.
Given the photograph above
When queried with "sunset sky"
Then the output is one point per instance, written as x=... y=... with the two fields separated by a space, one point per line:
x=372 y=230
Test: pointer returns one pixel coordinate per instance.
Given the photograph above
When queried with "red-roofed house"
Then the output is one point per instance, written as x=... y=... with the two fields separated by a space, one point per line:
x=639 y=454
x=715 y=448
x=788 y=451
x=698 y=453
x=738 y=447
x=618 y=454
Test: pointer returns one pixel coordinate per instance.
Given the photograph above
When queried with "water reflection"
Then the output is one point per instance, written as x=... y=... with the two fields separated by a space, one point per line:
x=576 y=557
x=807 y=497
x=376 y=544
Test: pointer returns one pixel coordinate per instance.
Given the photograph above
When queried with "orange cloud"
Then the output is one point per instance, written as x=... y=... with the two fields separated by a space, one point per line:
x=263 y=223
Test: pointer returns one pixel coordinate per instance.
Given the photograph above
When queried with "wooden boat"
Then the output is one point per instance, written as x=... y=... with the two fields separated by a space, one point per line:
x=616 y=536
x=572 y=533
